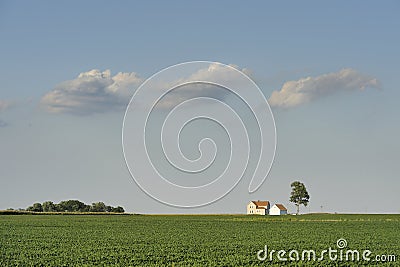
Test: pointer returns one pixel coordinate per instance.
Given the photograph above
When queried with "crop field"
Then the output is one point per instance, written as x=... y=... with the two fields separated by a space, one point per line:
x=190 y=240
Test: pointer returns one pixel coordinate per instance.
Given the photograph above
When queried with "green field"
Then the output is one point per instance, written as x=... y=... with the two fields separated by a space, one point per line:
x=189 y=240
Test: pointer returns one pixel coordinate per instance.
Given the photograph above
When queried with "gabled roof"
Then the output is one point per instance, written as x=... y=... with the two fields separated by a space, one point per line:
x=261 y=203
x=280 y=206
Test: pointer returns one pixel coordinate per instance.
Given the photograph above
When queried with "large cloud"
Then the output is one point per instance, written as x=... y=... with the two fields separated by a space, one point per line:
x=92 y=92
x=95 y=91
x=295 y=93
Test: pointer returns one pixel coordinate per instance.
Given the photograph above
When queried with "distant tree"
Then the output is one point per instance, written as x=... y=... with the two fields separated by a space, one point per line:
x=49 y=206
x=59 y=208
x=109 y=208
x=299 y=195
x=72 y=206
x=62 y=206
x=86 y=208
x=37 y=207
x=98 y=207
x=118 y=209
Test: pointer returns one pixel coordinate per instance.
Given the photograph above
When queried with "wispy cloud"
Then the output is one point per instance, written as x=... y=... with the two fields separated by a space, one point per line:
x=214 y=72
x=92 y=92
x=304 y=90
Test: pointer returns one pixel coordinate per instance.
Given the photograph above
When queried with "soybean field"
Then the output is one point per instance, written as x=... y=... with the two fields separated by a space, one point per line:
x=195 y=240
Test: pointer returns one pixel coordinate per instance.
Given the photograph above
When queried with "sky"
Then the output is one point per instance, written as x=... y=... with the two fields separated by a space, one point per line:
x=328 y=70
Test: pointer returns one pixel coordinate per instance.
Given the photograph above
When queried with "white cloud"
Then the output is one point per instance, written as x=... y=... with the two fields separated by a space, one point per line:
x=92 y=92
x=214 y=72
x=295 y=93
x=95 y=91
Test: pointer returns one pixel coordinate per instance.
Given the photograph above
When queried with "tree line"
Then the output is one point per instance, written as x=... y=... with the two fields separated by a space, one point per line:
x=73 y=206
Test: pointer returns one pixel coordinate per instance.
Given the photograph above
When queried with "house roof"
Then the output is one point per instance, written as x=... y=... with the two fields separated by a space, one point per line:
x=280 y=206
x=261 y=203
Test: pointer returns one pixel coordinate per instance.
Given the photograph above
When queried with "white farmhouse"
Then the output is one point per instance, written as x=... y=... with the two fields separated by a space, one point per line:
x=278 y=209
x=258 y=207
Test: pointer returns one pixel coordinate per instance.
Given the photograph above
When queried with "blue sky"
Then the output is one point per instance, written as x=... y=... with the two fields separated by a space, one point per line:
x=342 y=143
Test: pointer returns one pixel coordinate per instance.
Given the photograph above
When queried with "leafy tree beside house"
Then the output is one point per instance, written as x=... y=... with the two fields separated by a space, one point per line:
x=299 y=195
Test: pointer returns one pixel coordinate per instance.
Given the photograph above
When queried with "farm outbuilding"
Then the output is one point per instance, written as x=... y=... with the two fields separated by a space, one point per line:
x=278 y=209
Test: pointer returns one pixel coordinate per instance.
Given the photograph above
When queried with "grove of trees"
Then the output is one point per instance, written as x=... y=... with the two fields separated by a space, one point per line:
x=73 y=206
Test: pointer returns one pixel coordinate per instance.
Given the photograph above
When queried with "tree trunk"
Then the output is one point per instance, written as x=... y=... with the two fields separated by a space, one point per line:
x=298 y=207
